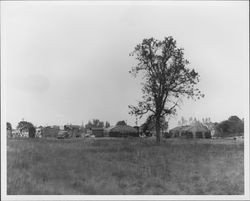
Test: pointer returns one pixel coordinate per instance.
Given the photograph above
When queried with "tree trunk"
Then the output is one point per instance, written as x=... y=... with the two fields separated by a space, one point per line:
x=158 y=130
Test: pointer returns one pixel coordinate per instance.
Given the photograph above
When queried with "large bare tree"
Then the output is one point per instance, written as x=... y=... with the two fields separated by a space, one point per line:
x=166 y=79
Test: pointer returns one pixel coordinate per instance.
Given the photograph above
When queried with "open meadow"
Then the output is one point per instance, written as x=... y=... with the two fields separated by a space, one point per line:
x=125 y=166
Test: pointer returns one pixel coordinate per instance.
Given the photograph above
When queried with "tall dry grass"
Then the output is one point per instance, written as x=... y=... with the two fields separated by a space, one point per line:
x=124 y=166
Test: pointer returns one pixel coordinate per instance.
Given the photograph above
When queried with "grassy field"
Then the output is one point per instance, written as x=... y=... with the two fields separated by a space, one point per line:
x=124 y=166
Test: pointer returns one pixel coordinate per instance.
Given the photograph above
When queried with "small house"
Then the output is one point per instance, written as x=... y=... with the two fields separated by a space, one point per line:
x=98 y=132
x=20 y=133
x=24 y=132
x=16 y=133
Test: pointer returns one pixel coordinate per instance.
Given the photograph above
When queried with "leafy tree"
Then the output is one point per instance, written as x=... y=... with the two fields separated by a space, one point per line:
x=89 y=125
x=225 y=126
x=32 y=132
x=121 y=123
x=233 y=126
x=206 y=120
x=96 y=123
x=234 y=118
x=9 y=127
x=27 y=125
x=149 y=124
x=24 y=125
x=107 y=124
x=166 y=78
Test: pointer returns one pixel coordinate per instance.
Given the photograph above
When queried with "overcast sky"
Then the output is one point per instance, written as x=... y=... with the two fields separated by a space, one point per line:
x=68 y=62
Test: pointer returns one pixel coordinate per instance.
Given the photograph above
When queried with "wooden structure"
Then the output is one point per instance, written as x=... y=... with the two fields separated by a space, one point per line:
x=122 y=131
x=195 y=130
x=98 y=132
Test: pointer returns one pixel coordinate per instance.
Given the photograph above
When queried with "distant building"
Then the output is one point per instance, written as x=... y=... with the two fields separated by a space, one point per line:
x=73 y=130
x=16 y=133
x=20 y=133
x=88 y=131
x=122 y=131
x=195 y=130
x=24 y=132
x=39 y=132
x=98 y=132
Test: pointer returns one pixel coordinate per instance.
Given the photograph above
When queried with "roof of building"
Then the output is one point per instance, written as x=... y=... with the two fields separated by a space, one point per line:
x=121 y=129
x=195 y=127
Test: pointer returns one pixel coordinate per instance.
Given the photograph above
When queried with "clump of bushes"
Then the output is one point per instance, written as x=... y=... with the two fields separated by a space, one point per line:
x=234 y=126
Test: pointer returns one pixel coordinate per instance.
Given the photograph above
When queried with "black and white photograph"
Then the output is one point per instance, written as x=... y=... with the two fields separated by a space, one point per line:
x=120 y=100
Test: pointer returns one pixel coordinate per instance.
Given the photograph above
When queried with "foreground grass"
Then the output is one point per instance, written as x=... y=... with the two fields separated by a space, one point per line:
x=124 y=166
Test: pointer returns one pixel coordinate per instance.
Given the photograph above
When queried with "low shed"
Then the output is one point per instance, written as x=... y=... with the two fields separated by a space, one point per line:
x=195 y=130
x=122 y=131
x=98 y=132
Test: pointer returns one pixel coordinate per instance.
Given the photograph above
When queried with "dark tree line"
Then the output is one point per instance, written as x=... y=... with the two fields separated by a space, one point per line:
x=96 y=123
